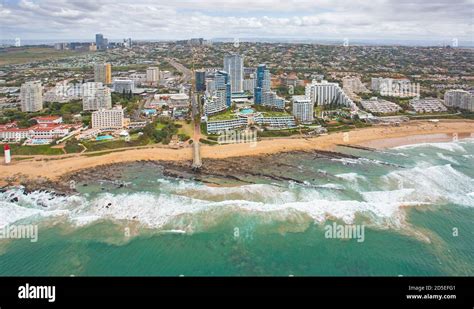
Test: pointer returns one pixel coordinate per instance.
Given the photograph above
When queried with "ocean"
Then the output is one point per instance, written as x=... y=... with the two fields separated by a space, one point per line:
x=415 y=203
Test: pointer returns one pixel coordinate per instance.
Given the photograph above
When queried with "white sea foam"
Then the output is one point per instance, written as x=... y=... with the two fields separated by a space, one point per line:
x=433 y=184
x=351 y=177
x=333 y=186
x=447 y=158
x=449 y=146
x=180 y=205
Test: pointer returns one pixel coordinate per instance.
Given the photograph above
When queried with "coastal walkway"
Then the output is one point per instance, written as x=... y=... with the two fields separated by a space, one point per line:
x=197 y=162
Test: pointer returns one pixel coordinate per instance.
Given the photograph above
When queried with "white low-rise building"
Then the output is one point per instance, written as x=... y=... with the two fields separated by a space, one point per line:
x=380 y=106
x=171 y=100
x=428 y=105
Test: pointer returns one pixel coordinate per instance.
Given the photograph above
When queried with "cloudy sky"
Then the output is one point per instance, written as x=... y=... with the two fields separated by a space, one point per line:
x=175 y=19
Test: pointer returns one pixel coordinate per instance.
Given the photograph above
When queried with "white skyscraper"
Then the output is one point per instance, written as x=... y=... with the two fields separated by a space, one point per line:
x=31 y=95
x=459 y=99
x=152 y=75
x=103 y=73
x=325 y=93
x=234 y=65
x=96 y=96
x=303 y=109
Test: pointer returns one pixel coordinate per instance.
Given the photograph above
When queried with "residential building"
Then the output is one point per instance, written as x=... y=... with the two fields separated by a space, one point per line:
x=200 y=79
x=303 y=109
x=123 y=85
x=395 y=87
x=274 y=122
x=49 y=119
x=272 y=100
x=326 y=93
x=461 y=99
x=96 y=96
x=108 y=119
x=234 y=65
x=153 y=75
x=215 y=104
x=263 y=83
x=223 y=86
x=427 y=105
x=380 y=106
x=103 y=73
x=39 y=134
x=353 y=84
x=11 y=133
x=31 y=95
x=249 y=85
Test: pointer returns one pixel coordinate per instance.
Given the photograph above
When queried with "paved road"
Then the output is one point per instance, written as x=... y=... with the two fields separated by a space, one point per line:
x=187 y=73
x=196 y=117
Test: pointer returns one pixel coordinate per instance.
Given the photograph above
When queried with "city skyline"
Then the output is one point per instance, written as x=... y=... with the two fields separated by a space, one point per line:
x=148 y=20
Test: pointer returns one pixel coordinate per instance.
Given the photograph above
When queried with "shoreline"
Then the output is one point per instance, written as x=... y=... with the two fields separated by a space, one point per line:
x=49 y=168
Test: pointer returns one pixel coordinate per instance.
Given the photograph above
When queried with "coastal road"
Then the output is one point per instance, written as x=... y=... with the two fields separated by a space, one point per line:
x=187 y=73
x=196 y=117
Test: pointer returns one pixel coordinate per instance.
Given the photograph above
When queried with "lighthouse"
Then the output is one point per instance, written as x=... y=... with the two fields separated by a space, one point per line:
x=6 y=150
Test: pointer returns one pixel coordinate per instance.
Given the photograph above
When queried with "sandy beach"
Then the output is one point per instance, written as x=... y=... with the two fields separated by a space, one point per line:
x=53 y=167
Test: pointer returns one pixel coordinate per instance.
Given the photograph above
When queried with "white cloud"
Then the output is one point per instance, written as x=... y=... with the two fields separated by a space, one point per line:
x=147 y=19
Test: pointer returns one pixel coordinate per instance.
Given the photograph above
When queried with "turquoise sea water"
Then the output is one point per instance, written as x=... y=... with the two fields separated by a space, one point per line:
x=410 y=200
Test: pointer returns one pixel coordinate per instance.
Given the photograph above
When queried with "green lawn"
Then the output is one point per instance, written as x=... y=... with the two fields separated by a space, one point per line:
x=114 y=144
x=33 y=150
x=226 y=115
x=20 y=55
x=275 y=114
x=160 y=126
x=186 y=128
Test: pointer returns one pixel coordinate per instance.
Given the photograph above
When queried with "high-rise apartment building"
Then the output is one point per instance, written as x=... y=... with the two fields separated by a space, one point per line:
x=200 y=80
x=325 y=93
x=303 y=109
x=461 y=99
x=263 y=83
x=103 y=73
x=234 y=65
x=31 y=96
x=96 y=96
x=153 y=75
x=222 y=84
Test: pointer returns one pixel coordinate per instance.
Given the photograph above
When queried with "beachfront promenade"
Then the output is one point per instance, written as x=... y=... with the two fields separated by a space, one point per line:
x=197 y=162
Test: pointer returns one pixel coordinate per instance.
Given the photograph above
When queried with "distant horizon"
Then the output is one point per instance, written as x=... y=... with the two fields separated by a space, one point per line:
x=281 y=40
x=443 y=20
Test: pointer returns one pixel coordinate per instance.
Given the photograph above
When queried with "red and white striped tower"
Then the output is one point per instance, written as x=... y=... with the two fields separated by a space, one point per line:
x=6 y=150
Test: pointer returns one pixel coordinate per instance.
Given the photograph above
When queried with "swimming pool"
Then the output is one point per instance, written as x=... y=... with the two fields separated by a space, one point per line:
x=103 y=137
x=247 y=111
